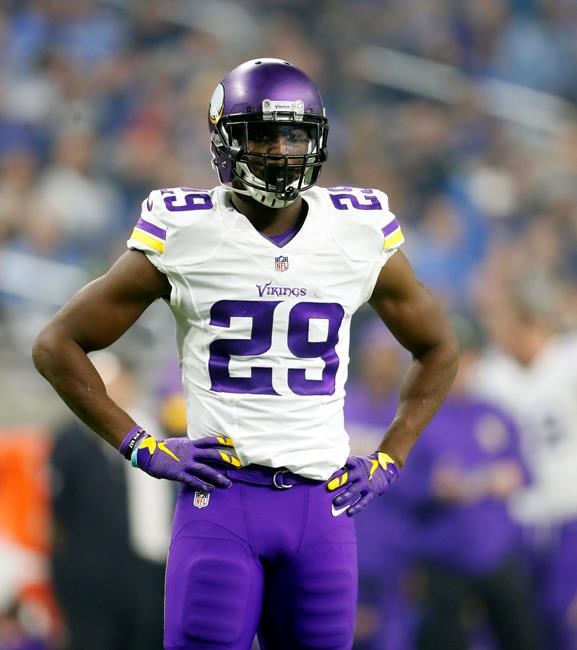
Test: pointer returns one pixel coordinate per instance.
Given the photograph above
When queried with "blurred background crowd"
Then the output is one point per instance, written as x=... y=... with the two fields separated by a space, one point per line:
x=465 y=113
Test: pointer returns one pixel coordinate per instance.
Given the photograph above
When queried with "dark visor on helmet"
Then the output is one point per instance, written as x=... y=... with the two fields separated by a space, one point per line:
x=280 y=154
x=291 y=138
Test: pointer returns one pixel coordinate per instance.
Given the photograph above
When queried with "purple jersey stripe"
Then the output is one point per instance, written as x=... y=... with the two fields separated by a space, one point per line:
x=151 y=229
x=390 y=227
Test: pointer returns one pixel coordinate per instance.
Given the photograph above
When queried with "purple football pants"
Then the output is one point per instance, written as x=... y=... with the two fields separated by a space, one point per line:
x=258 y=557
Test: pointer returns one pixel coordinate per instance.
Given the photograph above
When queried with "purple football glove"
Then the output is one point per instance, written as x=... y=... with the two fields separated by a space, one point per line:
x=361 y=479
x=182 y=459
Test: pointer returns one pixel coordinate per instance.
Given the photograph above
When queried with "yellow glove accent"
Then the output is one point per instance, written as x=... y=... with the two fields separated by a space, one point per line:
x=232 y=460
x=227 y=442
x=337 y=482
x=374 y=467
x=162 y=446
x=385 y=460
x=148 y=443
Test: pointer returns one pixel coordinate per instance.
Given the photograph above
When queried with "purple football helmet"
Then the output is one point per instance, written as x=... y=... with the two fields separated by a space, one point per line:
x=258 y=104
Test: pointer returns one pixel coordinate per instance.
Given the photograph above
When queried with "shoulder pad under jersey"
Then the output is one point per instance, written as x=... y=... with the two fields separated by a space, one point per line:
x=179 y=225
x=362 y=223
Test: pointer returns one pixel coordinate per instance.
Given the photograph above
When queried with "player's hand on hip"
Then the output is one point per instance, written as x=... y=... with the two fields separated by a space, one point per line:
x=194 y=462
x=360 y=480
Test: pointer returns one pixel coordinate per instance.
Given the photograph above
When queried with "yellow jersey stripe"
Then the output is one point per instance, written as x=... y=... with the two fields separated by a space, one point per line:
x=394 y=239
x=149 y=240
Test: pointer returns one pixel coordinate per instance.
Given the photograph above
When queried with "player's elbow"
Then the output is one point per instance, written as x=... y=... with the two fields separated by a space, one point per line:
x=444 y=354
x=45 y=350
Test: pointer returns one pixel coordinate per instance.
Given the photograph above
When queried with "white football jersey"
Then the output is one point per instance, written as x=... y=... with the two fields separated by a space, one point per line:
x=262 y=330
x=542 y=397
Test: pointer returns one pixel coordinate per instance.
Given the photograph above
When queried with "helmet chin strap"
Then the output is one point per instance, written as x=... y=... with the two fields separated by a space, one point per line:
x=291 y=194
x=261 y=197
x=271 y=199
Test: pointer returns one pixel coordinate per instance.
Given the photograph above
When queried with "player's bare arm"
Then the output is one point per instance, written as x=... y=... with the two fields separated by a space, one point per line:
x=97 y=316
x=93 y=319
x=416 y=320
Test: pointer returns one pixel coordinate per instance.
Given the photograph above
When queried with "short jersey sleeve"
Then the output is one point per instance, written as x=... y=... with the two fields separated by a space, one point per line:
x=387 y=229
x=363 y=224
x=393 y=237
x=149 y=233
x=365 y=229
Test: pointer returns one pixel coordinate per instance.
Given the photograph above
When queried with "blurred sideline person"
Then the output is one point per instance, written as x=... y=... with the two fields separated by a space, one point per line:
x=459 y=480
x=263 y=274
x=532 y=373
x=111 y=531
x=384 y=540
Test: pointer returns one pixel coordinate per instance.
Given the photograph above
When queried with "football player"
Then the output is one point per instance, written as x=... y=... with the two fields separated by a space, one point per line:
x=531 y=373
x=263 y=274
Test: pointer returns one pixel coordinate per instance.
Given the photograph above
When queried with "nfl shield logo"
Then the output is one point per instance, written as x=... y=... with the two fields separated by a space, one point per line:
x=201 y=499
x=281 y=263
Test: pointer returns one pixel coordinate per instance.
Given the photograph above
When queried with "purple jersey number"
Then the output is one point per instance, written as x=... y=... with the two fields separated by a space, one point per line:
x=260 y=380
x=185 y=199
x=262 y=315
x=298 y=342
x=358 y=199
